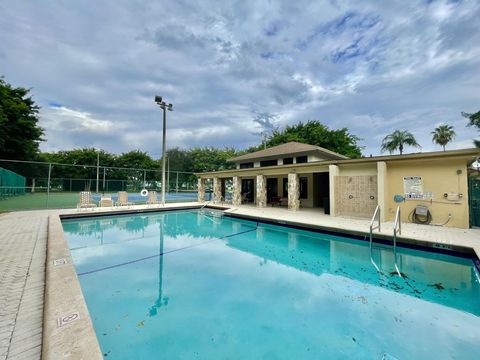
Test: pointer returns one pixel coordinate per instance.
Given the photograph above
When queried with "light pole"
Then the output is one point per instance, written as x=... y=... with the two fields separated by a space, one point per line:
x=164 y=106
x=98 y=168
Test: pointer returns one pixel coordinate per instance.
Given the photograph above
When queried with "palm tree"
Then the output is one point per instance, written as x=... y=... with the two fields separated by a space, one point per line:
x=443 y=134
x=397 y=140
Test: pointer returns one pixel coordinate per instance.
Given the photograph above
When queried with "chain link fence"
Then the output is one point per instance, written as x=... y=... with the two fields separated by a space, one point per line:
x=28 y=185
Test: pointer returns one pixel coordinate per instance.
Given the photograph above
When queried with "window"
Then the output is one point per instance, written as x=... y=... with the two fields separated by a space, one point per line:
x=268 y=163
x=246 y=165
x=287 y=161
x=302 y=159
x=303 y=187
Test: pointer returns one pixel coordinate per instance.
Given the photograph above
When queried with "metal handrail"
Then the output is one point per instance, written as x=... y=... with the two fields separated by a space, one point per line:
x=208 y=202
x=397 y=229
x=376 y=215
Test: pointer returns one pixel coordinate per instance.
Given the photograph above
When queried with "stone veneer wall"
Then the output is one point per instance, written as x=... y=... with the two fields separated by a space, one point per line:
x=217 y=190
x=293 y=192
x=261 y=191
x=201 y=190
x=355 y=195
x=237 y=191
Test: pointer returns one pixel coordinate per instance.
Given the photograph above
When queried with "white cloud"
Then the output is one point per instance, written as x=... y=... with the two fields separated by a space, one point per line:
x=367 y=66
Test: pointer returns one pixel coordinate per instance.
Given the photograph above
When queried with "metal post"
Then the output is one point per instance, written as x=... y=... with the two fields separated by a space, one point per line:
x=144 y=179
x=48 y=182
x=98 y=167
x=176 y=184
x=104 y=180
x=164 y=106
x=163 y=153
x=168 y=174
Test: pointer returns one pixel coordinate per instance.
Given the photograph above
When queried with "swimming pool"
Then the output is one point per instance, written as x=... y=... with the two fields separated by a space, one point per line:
x=194 y=284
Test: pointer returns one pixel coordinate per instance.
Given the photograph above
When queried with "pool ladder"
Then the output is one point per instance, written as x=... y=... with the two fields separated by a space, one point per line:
x=208 y=202
x=397 y=229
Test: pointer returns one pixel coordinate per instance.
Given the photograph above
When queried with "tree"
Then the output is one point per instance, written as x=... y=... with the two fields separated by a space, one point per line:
x=211 y=159
x=315 y=133
x=85 y=156
x=20 y=134
x=473 y=120
x=443 y=134
x=397 y=140
x=137 y=159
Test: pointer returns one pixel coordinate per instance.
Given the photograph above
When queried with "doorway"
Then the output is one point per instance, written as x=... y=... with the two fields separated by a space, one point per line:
x=321 y=190
x=474 y=201
x=247 y=191
x=272 y=189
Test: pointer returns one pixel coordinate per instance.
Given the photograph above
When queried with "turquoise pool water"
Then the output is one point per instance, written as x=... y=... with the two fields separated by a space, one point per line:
x=226 y=288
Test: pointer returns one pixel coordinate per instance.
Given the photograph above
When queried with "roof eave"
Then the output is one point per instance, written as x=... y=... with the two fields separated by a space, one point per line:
x=462 y=153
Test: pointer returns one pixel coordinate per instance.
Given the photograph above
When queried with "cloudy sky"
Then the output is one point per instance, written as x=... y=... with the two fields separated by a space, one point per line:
x=235 y=69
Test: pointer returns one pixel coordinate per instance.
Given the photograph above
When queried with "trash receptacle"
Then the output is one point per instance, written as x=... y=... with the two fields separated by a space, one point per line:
x=326 y=205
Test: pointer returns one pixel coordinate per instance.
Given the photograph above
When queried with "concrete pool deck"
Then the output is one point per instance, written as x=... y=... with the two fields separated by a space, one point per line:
x=42 y=309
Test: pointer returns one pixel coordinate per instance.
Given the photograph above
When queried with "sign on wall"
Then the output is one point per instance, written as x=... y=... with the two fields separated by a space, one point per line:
x=413 y=187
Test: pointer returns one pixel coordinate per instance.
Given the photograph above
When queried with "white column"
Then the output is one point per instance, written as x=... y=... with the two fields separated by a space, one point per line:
x=261 y=191
x=333 y=171
x=381 y=188
x=217 y=190
x=293 y=192
x=237 y=191
x=201 y=190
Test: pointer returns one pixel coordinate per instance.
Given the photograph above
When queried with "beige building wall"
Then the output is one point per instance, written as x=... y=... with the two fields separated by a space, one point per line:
x=383 y=178
x=356 y=191
x=356 y=195
x=358 y=170
x=439 y=177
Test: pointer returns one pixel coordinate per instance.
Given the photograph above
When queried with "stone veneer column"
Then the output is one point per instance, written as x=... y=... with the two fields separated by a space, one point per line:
x=261 y=191
x=217 y=190
x=201 y=190
x=381 y=188
x=333 y=171
x=237 y=191
x=293 y=192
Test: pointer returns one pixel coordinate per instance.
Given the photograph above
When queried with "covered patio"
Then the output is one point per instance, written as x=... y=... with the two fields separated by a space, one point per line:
x=293 y=190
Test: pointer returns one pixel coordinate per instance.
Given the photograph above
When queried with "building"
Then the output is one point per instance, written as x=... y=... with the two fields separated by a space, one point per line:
x=299 y=176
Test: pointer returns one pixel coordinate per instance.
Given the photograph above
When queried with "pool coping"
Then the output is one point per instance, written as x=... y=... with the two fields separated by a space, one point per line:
x=64 y=296
x=64 y=301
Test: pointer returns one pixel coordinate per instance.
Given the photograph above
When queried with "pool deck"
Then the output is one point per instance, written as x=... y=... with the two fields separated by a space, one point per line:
x=39 y=286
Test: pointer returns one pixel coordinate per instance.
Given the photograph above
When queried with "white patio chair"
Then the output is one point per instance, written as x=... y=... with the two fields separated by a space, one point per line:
x=122 y=199
x=85 y=200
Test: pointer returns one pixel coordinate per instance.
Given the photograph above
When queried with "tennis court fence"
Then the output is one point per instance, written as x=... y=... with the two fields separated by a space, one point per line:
x=27 y=185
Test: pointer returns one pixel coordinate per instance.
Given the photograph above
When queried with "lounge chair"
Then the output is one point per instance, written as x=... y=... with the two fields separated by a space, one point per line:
x=106 y=201
x=122 y=199
x=152 y=198
x=85 y=200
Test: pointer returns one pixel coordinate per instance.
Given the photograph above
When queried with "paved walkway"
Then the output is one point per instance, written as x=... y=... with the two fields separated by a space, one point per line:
x=23 y=240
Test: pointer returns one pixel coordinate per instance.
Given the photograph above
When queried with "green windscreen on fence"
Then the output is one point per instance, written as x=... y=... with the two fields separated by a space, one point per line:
x=11 y=183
